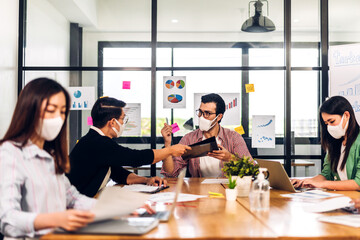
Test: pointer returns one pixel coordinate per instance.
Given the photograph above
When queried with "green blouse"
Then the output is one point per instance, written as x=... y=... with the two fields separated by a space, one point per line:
x=352 y=165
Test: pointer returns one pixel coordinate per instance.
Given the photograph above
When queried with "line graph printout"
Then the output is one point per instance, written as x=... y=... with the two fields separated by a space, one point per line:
x=133 y=127
x=263 y=131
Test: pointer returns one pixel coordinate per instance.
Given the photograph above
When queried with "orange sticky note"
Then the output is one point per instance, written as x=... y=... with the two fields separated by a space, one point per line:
x=240 y=130
x=249 y=88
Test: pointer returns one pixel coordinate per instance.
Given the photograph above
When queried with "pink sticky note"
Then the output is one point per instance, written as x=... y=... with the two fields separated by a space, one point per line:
x=175 y=128
x=126 y=84
x=89 y=121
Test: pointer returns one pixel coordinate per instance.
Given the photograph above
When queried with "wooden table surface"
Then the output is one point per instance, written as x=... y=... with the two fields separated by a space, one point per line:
x=216 y=218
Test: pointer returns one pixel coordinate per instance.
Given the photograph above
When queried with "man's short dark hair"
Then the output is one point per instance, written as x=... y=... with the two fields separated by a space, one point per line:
x=217 y=99
x=105 y=109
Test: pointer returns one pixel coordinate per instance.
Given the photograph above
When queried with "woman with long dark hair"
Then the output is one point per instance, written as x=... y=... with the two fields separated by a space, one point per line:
x=34 y=192
x=341 y=140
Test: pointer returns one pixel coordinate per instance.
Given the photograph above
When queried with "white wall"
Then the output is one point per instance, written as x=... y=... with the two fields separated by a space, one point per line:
x=47 y=40
x=8 y=61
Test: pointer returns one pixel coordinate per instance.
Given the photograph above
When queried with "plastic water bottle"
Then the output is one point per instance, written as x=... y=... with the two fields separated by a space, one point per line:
x=260 y=193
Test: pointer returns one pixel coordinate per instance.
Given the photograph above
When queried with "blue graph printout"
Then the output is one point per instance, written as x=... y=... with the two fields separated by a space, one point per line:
x=263 y=131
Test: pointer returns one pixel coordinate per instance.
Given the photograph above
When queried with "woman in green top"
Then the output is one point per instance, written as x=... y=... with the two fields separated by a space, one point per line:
x=341 y=140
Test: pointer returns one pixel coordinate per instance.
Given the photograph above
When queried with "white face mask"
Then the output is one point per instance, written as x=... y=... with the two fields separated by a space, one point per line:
x=205 y=124
x=122 y=127
x=337 y=131
x=49 y=128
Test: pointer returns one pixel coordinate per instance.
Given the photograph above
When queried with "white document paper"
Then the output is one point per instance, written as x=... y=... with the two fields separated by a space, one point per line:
x=115 y=201
x=263 y=131
x=133 y=127
x=168 y=197
x=140 y=188
x=348 y=220
x=329 y=205
x=215 y=181
x=312 y=194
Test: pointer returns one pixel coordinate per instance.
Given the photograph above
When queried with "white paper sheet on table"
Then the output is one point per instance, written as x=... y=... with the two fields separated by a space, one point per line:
x=329 y=205
x=140 y=188
x=168 y=197
x=215 y=181
x=348 y=220
x=312 y=194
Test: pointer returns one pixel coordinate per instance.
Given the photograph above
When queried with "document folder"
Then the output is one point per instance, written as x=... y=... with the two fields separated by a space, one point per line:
x=201 y=149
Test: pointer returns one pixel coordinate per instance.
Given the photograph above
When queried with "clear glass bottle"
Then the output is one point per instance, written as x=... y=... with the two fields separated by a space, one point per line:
x=260 y=193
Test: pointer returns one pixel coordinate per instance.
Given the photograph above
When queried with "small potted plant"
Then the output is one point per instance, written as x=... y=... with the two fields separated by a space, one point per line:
x=243 y=170
x=231 y=192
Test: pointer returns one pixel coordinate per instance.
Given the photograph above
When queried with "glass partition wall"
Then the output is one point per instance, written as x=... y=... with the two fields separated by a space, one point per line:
x=108 y=43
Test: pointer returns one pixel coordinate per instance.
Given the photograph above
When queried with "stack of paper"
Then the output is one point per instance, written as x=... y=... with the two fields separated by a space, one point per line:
x=329 y=205
x=313 y=194
x=168 y=197
x=140 y=188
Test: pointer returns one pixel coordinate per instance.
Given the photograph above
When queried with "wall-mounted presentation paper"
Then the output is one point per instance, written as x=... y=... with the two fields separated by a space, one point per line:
x=232 y=109
x=345 y=74
x=133 y=127
x=174 y=92
x=82 y=98
x=263 y=131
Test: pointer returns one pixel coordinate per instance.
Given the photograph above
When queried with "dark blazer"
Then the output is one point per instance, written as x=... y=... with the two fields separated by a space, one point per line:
x=92 y=156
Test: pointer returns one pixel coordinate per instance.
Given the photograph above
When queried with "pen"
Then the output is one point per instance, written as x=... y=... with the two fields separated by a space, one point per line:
x=167 y=121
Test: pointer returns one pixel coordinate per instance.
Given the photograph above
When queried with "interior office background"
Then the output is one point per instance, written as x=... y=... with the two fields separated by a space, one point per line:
x=200 y=39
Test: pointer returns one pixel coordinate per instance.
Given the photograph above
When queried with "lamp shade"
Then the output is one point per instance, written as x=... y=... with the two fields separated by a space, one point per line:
x=258 y=23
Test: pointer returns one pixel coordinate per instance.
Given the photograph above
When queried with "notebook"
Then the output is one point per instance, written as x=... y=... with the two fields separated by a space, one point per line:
x=164 y=216
x=278 y=178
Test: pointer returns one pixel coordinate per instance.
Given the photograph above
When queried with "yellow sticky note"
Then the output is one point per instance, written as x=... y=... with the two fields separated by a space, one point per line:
x=249 y=88
x=240 y=130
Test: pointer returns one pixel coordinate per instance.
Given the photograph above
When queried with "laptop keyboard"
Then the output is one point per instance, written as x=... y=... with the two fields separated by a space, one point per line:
x=157 y=215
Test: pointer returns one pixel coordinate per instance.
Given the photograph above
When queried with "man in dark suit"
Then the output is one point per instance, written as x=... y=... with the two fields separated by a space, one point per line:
x=96 y=157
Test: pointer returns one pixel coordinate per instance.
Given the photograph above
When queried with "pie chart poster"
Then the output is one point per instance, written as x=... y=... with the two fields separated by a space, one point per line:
x=82 y=98
x=174 y=92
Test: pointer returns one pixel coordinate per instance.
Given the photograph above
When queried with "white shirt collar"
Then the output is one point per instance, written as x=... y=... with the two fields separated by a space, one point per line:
x=97 y=130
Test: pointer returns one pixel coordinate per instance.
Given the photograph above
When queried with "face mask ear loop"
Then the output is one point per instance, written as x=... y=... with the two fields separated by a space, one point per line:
x=213 y=124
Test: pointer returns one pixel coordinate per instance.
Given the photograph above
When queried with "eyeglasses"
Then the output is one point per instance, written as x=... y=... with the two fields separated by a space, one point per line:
x=125 y=119
x=206 y=114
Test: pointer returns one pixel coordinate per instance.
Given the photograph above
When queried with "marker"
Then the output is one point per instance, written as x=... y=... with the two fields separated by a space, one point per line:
x=216 y=194
x=167 y=121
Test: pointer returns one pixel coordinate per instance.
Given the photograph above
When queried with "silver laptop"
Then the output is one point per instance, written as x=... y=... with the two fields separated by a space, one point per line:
x=278 y=178
x=164 y=216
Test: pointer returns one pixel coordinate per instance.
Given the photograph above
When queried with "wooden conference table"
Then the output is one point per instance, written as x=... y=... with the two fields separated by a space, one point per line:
x=216 y=218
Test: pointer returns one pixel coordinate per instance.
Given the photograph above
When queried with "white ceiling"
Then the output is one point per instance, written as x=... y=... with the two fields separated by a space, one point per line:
x=208 y=15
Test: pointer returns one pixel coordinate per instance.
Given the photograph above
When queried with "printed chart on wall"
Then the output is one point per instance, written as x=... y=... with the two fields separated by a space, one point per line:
x=174 y=92
x=345 y=74
x=133 y=127
x=82 y=98
x=263 y=131
x=232 y=109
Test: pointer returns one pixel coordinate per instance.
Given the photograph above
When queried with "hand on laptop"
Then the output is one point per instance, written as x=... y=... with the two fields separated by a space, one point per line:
x=156 y=181
x=222 y=154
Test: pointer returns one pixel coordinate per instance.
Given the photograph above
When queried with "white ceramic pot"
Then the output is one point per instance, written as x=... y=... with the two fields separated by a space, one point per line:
x=243 y=185
x=231 y=194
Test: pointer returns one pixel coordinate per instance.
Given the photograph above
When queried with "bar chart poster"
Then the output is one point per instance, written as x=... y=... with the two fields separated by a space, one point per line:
x=263 y=131
x=232 y=108
x=174 y=92
x=344 y=63
x=133 y=127
x=82 y=98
